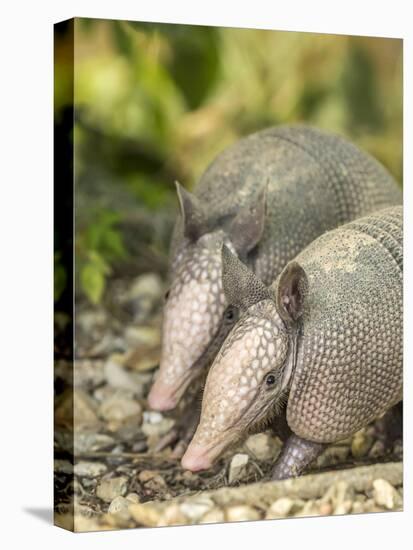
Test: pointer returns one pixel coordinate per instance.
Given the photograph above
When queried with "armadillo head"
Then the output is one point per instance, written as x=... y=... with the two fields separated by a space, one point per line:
x=249 y=378
x=196 y=314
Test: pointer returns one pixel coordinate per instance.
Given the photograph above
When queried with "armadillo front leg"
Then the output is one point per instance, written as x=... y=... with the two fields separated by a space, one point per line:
x=295 y=456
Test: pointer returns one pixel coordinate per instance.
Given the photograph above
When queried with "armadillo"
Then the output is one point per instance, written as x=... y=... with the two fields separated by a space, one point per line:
x=325 y=340
x=266 y=198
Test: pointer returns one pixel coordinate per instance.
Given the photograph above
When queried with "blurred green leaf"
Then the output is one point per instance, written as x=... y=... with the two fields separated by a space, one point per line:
x=149 y=192
x=194 y=62
x=121 y=38
x=92 y=277
x=102 y=236
x=360 y=89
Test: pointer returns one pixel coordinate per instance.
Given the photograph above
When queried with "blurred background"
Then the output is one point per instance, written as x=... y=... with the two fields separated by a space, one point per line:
x=155 y=103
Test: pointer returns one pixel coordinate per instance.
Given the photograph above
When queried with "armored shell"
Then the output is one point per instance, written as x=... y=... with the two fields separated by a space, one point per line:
x=350 y=356
x=316 y=182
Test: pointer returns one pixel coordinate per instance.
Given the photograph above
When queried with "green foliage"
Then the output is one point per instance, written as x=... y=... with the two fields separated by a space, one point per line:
x=92 y=276
x=99 y=244
x=193 y=63
x=360 y=90
x=103 y=237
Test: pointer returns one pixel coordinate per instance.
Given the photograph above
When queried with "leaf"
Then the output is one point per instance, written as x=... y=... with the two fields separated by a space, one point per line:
x=113 y=244
x=92 y=279
x=121 y=38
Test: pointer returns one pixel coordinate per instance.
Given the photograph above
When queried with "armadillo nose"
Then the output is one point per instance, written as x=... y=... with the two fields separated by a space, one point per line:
x=161 y=398
x=195 y=459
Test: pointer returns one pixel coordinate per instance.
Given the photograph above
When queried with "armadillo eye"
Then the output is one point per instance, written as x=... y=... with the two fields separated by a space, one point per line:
x=166 y=295
x=230 y=313
x=270 y=380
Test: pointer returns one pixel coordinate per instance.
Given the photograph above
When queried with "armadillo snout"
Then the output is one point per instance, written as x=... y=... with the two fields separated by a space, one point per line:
x=162 y=397
x=196 y=459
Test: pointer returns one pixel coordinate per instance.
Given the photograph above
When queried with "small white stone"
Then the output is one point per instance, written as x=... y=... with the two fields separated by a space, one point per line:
x=118 y=504
x=280 y=508
x=237 y=466
x=152 y=417
x=89 y=469
x=108 y=489
x=385 y=494
x=216 y=515
x=263 y=446
x=195 y=509
x=242 y=513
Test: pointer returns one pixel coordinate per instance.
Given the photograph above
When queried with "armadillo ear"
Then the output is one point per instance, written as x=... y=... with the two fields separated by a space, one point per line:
x=241 y=286
x=248 y=225
x=291 y=291
x=193 y=214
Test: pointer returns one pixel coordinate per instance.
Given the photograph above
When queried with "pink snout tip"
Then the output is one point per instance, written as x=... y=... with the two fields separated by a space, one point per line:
x=161 y=397
x=196 y=459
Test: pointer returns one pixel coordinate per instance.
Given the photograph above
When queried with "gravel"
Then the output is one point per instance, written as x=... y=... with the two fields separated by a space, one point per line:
x=120 y=482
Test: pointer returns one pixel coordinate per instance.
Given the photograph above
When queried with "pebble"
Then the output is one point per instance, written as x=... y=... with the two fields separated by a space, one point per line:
x=152 y=417
x=242 y=513
x=216 y=515
x=310 y=508
x=118 y=504
x=237 y=467
x=84 y=410
x=333 y=455
x=118 y=377
x=361 y=444
x=344 y=507
x=195 y=509
x=83 y=510
x=385 y=494
x=325 y=509
x=88 y=373
x=280 y=508
x=89 y=469
x=173 y=516
x=145 y=514
x=378 y=449
x=151 y=479
x=85 y=442
x=133 y=497
x=63 y=466
x=337 y=494
x=129 y=431
x=90 y=319
x=263 y=447
x=154 y=424
x=358 y=507
x=106 y=344
x=89 y=483
x=144 y=361
x=110 y=488
x=119 y=407
x=103 y=392
x=146 y=336
x=143 y=295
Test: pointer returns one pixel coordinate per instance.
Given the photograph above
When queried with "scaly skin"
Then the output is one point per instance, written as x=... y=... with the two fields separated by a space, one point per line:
x=326 y=338
x=314 y=182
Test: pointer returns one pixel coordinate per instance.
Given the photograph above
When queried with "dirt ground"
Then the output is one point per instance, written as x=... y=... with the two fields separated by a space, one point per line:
x=118 y=480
